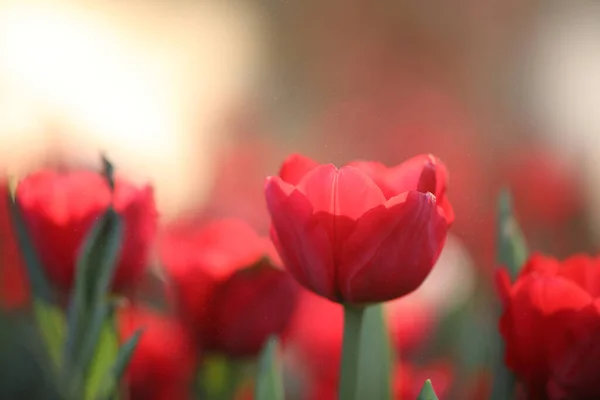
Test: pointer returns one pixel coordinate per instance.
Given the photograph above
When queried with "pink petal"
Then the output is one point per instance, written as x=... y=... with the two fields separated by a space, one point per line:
x=406 y=176
x=295 y=167
x=374 y=169
x=392 y=249
x=319 y=187
x=302 y=240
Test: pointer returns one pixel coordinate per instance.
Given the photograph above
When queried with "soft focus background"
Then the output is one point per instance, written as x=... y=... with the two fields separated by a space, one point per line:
x=204 y=99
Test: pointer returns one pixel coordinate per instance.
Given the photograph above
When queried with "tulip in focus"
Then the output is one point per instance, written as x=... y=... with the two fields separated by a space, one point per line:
x=163 y=364
x=551 y=327
x=227 y=285
x=60 y=208
x=363 y=233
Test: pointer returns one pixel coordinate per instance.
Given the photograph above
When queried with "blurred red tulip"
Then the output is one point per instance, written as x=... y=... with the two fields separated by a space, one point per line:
x=551 y=326
x=315 y=336
x=548 y=199
x=164 y=361
x=409 y=379
x=227 y=284
x=60 y=208
x=360 y=234
x=240 y=194
x=545 y=188
x=14 y=286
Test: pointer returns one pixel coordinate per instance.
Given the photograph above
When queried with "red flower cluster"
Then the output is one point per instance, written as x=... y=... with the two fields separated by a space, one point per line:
x=227 y=284
x=60 y=208
x=364 y=233
x=551 y=326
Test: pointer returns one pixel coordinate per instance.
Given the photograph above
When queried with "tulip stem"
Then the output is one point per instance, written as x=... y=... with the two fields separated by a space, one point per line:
x=353 y=321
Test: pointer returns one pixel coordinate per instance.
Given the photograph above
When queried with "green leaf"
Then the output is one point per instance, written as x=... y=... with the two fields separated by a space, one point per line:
x=35 y=272
x=376 y=356
x=427 y=392
x=49 y=318
x=504 y=384
x=512 y=254
x=112 y=379
x=105 y=354
x=109 y=171
x=512 y=249
x=269 y=383
x=219 y=377
x=90 y=307
x=52 y=325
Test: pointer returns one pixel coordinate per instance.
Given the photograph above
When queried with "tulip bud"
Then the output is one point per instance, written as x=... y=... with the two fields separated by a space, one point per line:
x=361 y=234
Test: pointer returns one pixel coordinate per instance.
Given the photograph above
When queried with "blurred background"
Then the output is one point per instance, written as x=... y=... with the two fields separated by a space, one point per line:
x=204 y=99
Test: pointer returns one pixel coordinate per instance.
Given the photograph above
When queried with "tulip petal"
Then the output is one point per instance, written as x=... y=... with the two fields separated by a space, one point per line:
x=537 y=306
x=374 y=169
x=584 y=271
x=303 y=241
x=575 y=357
x=295 y=167
x=392 y=249
x=248 y=308
x=219 y=248
x=347 y=192
x=540 y=264
x=408 y=175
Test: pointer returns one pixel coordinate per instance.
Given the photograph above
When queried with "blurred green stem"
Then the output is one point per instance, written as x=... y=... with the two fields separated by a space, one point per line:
x=353 y=320
x=219 y=378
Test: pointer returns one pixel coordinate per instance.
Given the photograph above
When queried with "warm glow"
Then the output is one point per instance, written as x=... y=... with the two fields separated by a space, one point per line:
x=143 y=83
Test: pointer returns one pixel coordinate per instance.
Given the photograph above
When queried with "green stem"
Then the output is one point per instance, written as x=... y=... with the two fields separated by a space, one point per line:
x=219 y=378
x=353 y=320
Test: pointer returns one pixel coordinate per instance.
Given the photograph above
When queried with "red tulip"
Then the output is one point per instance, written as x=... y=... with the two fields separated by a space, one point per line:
x=61 y=208
x=546 y=189
x=240 y=195
x=548 y=198
x=551 y=326
x=227 y=285
x=363 y=233
x=163 y=364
